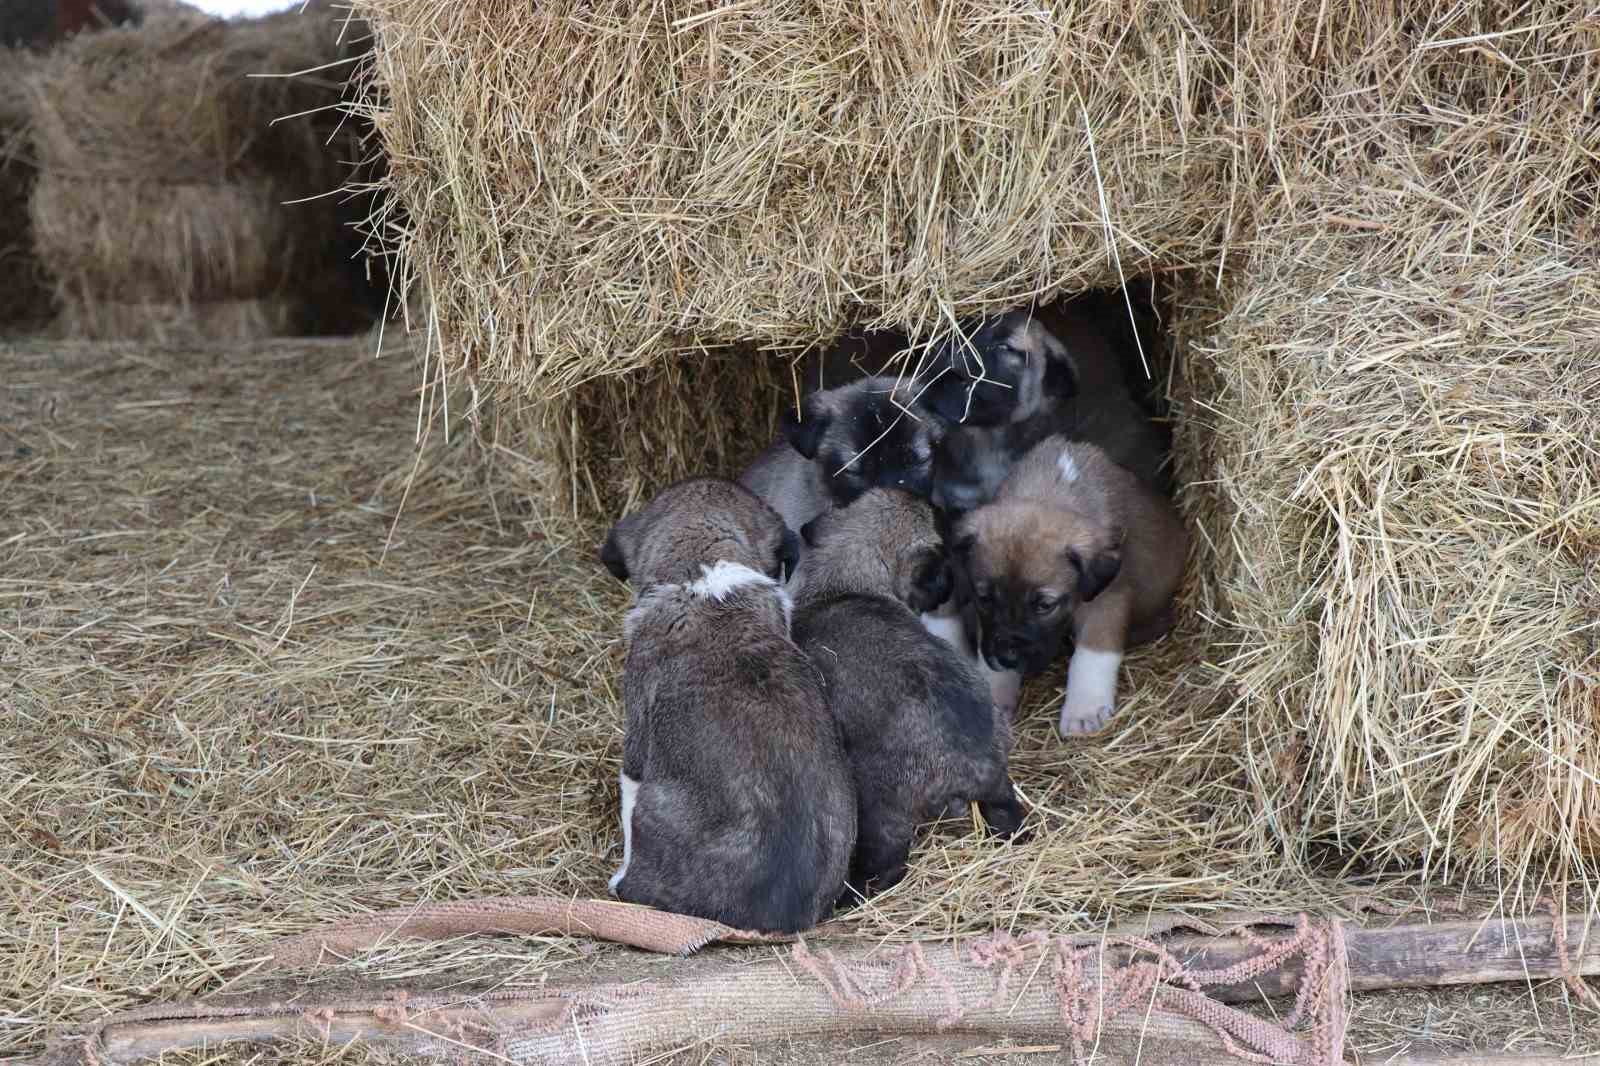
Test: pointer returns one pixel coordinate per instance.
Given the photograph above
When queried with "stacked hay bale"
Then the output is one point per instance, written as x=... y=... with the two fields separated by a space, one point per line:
x=1377 y=235
x=1402 y=404
x=164 y=202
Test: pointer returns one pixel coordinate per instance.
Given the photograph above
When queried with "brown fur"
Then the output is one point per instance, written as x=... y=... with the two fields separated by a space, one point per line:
x=1096 y=557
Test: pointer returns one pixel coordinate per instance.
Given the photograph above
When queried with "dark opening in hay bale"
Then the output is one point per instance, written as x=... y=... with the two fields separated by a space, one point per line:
x=1378 y=237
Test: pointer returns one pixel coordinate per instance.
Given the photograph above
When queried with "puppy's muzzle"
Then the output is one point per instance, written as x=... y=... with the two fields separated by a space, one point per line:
x=1004 y=653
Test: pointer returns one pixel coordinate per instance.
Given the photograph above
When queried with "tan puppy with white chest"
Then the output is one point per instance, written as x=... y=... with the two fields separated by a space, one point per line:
x=1073 y=544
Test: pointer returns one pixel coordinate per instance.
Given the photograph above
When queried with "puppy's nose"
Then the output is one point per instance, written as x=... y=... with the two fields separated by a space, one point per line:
x=1007 y=654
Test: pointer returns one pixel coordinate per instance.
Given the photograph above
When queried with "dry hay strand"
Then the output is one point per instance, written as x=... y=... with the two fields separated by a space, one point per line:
x=212 y=321
x=776 y=173
x=127 y=241
x=1402 y=405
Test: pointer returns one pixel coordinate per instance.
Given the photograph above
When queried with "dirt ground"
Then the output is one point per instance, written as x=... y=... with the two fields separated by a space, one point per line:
x=265 y=662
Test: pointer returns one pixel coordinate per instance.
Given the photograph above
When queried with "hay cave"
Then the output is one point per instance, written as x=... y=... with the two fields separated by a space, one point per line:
x=311 y=681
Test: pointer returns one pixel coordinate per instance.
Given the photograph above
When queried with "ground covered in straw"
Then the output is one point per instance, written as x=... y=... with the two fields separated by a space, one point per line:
x=264 y=663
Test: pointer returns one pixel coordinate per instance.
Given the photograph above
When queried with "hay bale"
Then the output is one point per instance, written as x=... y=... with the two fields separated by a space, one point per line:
x=169 y=183
x=129 y=240
x=1390 y=440
x=210 y=322
x=774 y=172
x=24 y=295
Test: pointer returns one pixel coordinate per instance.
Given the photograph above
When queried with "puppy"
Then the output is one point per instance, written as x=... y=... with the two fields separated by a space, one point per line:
x=846 y=440
x=1072 y=545
x=919 y=727
x=999 y=370
x=970 y=461
x=737 y=801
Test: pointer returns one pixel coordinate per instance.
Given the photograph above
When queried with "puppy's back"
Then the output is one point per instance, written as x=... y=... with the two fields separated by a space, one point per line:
x=916 y=716
x=747 y=815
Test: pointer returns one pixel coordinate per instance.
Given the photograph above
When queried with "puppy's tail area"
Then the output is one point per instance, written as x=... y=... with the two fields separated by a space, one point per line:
x=787 y=893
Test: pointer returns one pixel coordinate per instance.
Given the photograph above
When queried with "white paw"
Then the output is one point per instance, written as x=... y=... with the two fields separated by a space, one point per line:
x=1077 y=721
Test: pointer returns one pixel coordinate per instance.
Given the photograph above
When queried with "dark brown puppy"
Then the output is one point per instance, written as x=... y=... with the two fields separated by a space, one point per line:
x=919 y=727
x=970 y=461
x=1072 y=543
x=737 y=801
x=868 y=434
x=998 y=370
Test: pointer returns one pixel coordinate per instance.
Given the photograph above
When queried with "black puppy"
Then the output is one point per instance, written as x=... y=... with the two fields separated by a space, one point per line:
x=867 y=434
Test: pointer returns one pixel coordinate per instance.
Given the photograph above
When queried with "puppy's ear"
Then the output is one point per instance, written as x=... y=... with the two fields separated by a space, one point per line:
x=612 y=552
x=788 y=554
x=806 y=435
x=1096 y=571
x=931 y=582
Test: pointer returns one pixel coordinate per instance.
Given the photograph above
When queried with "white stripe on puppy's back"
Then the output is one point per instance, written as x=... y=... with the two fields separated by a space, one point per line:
x=726 y=577
x=1067 y=465
x=630 y=795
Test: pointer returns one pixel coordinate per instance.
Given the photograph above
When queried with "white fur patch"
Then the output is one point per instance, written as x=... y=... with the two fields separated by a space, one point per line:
x=1068 y=466
x=948 y=628
x=630 y=795
x=1091 y=690
x=724 y=578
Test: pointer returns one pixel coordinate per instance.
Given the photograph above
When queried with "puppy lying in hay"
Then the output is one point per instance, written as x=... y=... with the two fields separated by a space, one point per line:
x=737 y=803
x=919 y=727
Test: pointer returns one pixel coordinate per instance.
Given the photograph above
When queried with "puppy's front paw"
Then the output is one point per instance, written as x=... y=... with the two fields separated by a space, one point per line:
x=1088 y=718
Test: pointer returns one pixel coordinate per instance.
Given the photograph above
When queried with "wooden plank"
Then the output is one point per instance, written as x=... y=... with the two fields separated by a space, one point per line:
x=1471 y=952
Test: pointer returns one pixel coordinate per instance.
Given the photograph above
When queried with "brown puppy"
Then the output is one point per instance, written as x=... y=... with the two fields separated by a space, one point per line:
x=737 y=801
x=1073 y=544
x=919 y=727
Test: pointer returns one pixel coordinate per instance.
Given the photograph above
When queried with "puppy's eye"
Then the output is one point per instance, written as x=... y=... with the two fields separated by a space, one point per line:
x=1045 y=604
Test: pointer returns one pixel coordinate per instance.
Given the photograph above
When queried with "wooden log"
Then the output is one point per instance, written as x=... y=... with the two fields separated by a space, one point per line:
x=1474 y=952
x=768 y=1000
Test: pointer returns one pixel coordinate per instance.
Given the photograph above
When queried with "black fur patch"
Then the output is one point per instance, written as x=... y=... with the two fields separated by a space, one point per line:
x=611 y=556
x=806 y=435
x=931 y=584
x=788 y=554
x=1095 y=573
